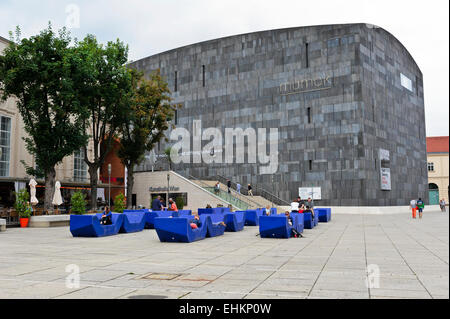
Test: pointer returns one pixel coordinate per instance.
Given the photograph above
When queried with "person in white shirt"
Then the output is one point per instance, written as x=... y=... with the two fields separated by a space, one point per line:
x=413 y=205
x=294 y=206
x=442 y=204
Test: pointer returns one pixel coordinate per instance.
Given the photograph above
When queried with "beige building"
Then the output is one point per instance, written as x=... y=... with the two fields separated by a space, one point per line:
x=437 y=164
x=72 y=172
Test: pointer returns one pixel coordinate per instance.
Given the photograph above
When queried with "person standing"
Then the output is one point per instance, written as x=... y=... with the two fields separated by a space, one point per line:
x=413 y=205
x=294 y=206
x=229 y=186
x=420 y=206
x=249 y=188
x=442 y=205
x=217 y=188
x=238 y=188
x=172 y=205
x=156 y=204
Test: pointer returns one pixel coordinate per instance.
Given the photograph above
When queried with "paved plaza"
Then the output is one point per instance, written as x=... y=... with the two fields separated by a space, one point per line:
x=330 y=262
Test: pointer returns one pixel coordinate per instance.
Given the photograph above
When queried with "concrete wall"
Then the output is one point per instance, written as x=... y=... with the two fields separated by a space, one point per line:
x=197 y=197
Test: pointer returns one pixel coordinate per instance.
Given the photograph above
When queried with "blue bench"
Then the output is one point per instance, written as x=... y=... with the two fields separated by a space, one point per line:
x=180 y=213
x=214 y=227
x=179 y=229
x=89 y=225
x=324 y=214
x=252 y=217
x=310 y=223
x=275 y=226
x=151 y=215
x=299 y=221
x=217 y=210
x=235 y=221
x=133 y=221
x=273 y=211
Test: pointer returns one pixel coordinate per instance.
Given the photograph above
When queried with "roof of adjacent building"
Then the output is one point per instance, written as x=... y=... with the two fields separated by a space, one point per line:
x=438 y=144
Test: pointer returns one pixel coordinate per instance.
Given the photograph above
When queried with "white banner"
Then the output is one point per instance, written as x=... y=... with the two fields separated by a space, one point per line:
x=313 y=192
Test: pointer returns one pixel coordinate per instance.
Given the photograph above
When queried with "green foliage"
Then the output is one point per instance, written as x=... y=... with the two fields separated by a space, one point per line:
x=22 y=205
x=78 y=202
x=119 y=203
x=180 y=202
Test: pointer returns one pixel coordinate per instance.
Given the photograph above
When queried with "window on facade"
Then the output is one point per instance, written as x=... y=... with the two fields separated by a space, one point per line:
x=309 y=115
x=203 y=75
x=176 y=81
x=406 y=82
x=310 y=165
x=5 y=145
x=307 y=54
x=176 y=117
x=430 y=167
x=333 y=43
x=79 y=166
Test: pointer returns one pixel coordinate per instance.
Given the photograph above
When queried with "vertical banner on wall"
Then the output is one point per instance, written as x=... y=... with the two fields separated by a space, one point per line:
x=385 y=170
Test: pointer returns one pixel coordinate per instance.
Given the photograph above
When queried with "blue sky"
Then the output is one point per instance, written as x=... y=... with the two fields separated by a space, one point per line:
x=153 y=26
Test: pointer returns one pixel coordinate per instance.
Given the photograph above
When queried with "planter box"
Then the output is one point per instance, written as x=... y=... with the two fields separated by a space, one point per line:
x=49 y=221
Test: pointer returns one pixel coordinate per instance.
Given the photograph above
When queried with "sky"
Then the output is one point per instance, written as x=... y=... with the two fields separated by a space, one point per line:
x=154 y=26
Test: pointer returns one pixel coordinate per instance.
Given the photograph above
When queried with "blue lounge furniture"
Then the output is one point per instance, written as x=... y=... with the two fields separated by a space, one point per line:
x=324 y=214
x=133 y=221
x=299 y=221
x=310 y=222
x=180 y=213
x=214 y=225
x=89 y=225
x=252 y=217
x=235 y=221
x=151 y=215
x=273 y=211
x=217 y=210
x=275 y=226
x=179 y=229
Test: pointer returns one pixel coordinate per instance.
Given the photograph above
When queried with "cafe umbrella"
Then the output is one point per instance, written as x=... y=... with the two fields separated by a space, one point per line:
x=57 y=199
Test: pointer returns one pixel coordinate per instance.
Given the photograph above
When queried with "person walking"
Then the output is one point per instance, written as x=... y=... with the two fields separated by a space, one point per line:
x=249 y=188
x=229 y=186
x=238 y=188
x=217 y=188
x=413 y=205
x=420 y=206
x=442 y=205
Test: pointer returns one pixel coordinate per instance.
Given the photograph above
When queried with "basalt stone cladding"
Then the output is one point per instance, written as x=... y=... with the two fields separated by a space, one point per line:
x=330 y=131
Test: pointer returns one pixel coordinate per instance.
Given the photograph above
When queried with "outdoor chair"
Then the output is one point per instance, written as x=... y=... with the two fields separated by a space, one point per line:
x=179 y=229
x=324 y=214
x=133 y=221
x=214 y=226
x=235 y=221
x=89 y=225
x=275 y=226
x=252 y=217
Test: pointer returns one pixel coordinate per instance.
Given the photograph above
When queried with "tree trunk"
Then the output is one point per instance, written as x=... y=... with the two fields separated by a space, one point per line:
x=50 y=176
x=130 y=183
x=94 y=181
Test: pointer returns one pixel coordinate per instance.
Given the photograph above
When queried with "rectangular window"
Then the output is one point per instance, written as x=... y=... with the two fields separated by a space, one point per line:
x=176 y=81
x=79 y=166
x=203 y=75
x=307 y=54
x=333 y=43
x=417 y=85
x=176 y=117
x=406 y=82
x=310 y=165
x=309 y=115
x=430 y=167
x=5 y=145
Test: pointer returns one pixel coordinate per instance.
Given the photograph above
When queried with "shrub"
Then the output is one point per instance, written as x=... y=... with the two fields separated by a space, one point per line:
x=180 y=202
x=78 y=203
x=119 y=203
x=21 y=205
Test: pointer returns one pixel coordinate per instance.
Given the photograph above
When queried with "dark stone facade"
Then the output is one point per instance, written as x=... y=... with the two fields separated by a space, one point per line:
x=335 y=94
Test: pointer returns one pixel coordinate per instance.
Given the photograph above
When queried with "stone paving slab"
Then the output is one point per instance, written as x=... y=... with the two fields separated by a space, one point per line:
x=330 y=262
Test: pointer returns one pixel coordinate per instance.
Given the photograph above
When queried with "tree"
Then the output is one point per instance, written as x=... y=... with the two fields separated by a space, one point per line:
x=78 y=203
x=149 y=117
x=42 y=73
x=105 y=93
x=119 y=203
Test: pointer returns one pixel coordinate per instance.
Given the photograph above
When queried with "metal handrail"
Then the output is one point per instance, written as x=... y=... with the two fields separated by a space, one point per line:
x=258 y=191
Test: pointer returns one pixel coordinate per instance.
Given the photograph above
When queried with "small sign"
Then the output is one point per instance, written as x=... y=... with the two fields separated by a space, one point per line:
x=314 y=192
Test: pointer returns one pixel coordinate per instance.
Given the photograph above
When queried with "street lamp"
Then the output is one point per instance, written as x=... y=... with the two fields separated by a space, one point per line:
x=109 y=185
x=168 y=188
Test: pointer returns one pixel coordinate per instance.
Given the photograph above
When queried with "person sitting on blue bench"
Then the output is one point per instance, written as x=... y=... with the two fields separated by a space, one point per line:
x=195 y=223
x=294 y=232
x=106 y=217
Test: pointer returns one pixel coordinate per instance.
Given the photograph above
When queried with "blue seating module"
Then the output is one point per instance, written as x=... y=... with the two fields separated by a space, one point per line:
x=299 y=221
x=235 y=221
x=133 y=221
x=310 y=223
x=214 y=225
x=89 y=225
x=324 y=214
x=217 y=210
x=151 y=215
x=180 y=213
x=179 y=229
x=274 y=227
x=273 y=211
x=252 y=217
